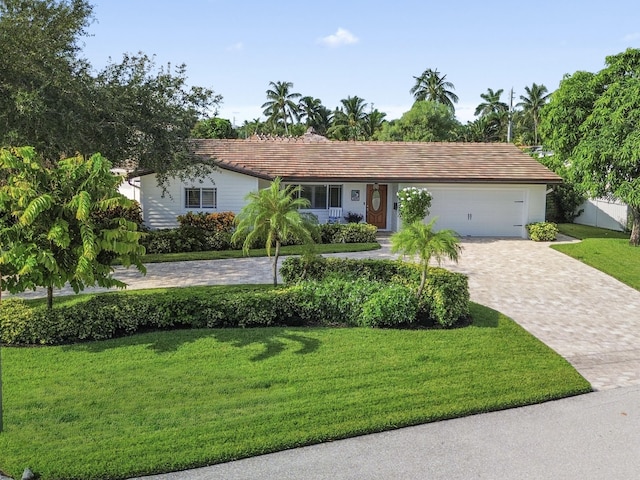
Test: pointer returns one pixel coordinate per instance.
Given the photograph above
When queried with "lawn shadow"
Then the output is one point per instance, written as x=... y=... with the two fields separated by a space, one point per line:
x=160 y=341
x=274 y=339
x=484 y=317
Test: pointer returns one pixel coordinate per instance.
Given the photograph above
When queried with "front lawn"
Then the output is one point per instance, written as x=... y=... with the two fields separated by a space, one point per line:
x=607 y=250
x=585 y=231
x=259 y=252
x=166 y=401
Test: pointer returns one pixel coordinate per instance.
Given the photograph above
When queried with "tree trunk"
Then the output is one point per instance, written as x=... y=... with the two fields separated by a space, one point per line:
x=275 y=263
x=49 y=297
x=635 y=230
x=423 y=279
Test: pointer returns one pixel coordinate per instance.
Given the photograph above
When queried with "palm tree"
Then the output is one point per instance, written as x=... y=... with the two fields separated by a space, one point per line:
x=349 y=120
x=492 y=104
x=272 y=214
x=419 y=239
x=433 y=87
x=308 y=108
x=280 y=104
x=531 y=105
x=373 y=122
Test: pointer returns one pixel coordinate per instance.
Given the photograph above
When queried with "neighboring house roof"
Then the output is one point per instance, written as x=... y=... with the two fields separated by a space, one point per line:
x=308 y=159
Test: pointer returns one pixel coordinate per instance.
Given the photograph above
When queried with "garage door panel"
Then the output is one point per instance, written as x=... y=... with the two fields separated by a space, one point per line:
x=479 y=212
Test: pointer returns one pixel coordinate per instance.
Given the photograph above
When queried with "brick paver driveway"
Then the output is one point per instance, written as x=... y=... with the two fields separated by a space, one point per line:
x=588 y=317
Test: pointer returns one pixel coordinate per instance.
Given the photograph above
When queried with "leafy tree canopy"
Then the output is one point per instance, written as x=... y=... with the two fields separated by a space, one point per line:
x=591 y=125
x=214 y=128
x=425 y=122
x=51 y=99
x=53 y=227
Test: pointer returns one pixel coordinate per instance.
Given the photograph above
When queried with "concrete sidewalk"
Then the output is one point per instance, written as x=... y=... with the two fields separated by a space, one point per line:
x=593 y=436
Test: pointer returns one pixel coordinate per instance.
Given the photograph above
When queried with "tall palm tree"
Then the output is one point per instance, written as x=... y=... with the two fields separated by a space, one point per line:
x=349 y=120
x=435 y=88
x=491 y=104
x=273 y=214
x=308 y=108
x=419 y=239
x=531 y=105
x=280 y=104
x=373 y=122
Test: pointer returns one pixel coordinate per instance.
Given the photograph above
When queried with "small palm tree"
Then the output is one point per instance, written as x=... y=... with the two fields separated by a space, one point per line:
x=272 y=214
x=434 y=88
x=280 y=104
x=419 y=239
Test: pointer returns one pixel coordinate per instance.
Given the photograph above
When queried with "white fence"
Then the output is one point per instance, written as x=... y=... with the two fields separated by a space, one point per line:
x=604 y=213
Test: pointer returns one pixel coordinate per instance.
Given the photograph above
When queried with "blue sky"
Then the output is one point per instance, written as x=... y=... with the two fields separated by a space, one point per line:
x=373 y=49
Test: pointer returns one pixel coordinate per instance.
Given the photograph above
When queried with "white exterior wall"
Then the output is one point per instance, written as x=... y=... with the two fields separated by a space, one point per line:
x=604 y=213
x=500 y=210
x=162 y=211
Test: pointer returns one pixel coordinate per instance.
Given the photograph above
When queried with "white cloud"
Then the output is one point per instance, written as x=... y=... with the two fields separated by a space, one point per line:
x=341 y=37
x=236 y=47
x=632 y=37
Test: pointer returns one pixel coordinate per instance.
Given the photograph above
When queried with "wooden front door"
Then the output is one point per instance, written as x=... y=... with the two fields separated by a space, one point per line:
x=377 y=205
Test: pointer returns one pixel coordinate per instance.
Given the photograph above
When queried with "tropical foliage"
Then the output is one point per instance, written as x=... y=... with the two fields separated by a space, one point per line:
x=52 y=227
x=591 y=125
x=420 y=240
x=531 y=104
x=272 y=214
x=427 y=121
x=432 y=86
x=280 y=106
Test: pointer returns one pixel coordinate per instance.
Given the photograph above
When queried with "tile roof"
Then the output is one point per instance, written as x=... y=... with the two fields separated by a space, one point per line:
x=332 y=161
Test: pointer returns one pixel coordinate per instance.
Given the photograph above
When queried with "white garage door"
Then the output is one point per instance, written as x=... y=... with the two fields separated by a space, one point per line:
x=479 y=212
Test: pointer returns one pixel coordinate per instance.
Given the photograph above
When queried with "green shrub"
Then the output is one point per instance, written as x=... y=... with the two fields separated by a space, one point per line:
x=210 y=222
x=347 y=233
x=542 y=231
x=296 y=269
x=353 y=217
x=445 y=300
x=447 y=297
x=414 y=204
x=339 y=300
x=393 y=306
x=344 y=292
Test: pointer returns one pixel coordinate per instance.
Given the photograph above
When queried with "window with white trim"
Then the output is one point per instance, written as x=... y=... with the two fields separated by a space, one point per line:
x=322 y=197
x=316 y=194
x=200 y=198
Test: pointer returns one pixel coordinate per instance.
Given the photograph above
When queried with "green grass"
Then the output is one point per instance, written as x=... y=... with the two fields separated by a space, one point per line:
x=607 y=250
x=258 y=252
x=584 y=231
x=612 y=256
x=165 y=401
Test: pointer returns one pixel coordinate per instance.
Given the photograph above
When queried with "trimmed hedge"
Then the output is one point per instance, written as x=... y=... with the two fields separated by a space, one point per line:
x=377 y=293
x=445 y=300
x=118 y=314
x=211 y=222
x=199 y=232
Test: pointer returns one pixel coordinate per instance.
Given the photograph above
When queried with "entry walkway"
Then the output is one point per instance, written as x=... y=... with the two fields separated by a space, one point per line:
x=588 y=317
